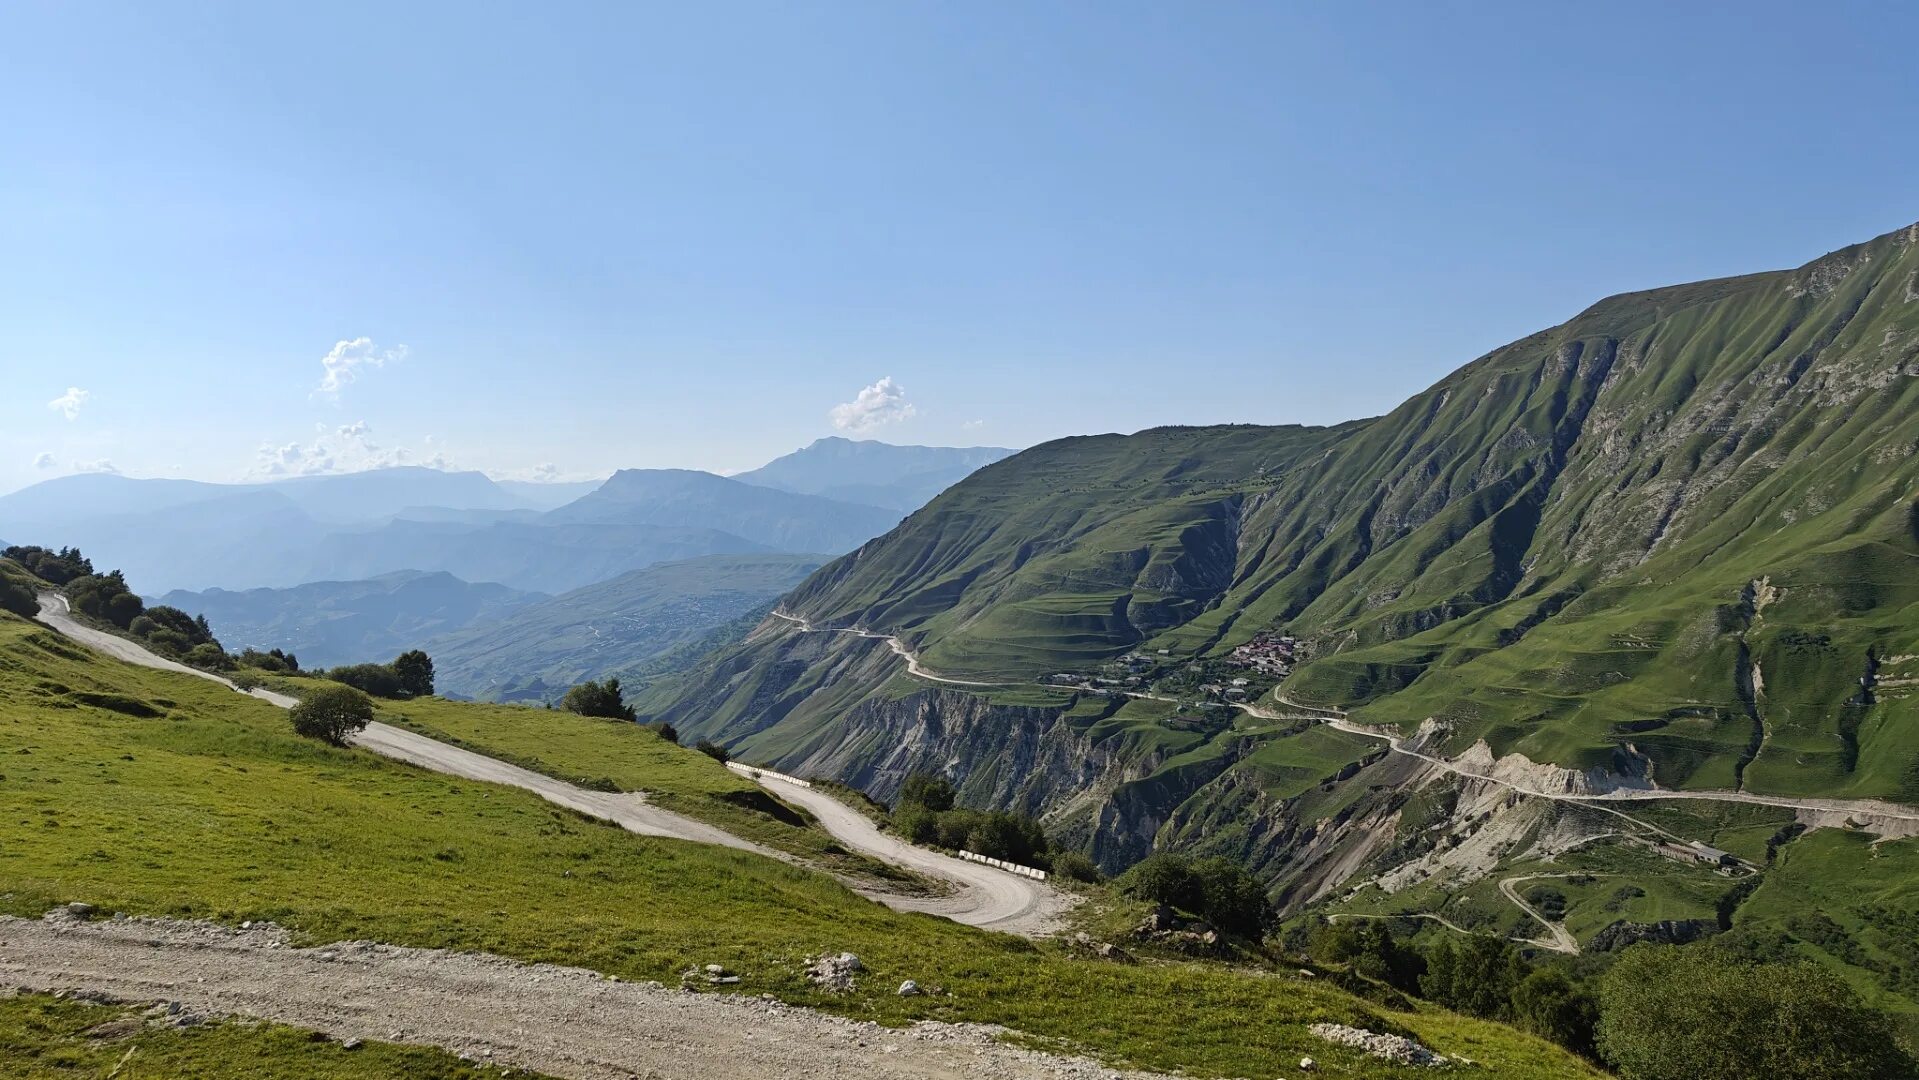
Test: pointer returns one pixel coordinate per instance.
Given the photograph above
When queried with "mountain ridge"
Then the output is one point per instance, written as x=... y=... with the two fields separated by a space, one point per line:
x=1673 y=541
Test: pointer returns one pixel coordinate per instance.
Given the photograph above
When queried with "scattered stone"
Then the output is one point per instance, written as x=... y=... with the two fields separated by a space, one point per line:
x=834 y=974
x=1109 y=951
x=1392 y=1048
x=909 y=988
x=351 y=1044
x=1307 y=1064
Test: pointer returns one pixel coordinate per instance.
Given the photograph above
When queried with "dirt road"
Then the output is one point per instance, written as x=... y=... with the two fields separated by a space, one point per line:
x=566 y=1022
x=1562 y=939
x=990 y=898
x=899 y=648
x=985 y=897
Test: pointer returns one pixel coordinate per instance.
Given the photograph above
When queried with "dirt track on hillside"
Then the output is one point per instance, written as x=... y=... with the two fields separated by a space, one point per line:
x=992 y=898
x=985 y=897
x=567 y=1022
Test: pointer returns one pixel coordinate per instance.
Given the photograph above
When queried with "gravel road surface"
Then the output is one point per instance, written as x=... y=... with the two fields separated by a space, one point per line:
x=566 y=1022
x=989 y=897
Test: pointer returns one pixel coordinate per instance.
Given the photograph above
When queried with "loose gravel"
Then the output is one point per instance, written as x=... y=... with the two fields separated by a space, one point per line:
x=566 y=1022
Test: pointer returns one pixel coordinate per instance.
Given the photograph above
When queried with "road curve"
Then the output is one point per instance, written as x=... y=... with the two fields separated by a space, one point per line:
x=986 y=898
x=1562 y=938
x=990 y=898
x=899 y=648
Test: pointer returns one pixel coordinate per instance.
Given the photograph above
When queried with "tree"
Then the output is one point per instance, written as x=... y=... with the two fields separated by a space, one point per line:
x=930 y=790
x=210 y=656
x=332 y=713
x=1694 y=1013
x=1474 y=975
x=52 y=567
x=713 y=750
x=1369 y=948
x=1547 y=1004
x=601 y=699
x=1233 y=899
x=664 y=730
x=380 y=680
x=415 y=671
x=1164 y=878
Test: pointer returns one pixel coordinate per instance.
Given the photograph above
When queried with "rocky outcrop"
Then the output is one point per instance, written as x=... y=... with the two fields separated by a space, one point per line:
x=1665 y=932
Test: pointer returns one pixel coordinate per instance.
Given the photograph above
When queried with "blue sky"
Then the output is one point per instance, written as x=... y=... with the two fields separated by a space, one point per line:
x=587 y=237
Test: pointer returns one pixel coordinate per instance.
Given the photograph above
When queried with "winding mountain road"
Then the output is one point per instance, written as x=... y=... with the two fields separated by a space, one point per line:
x=1870 y=809
x=983 y=897
x=992 y=898
x=1561 y=939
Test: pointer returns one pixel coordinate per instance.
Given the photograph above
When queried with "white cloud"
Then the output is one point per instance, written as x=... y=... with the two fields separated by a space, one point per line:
x=101 y=466
x=43 y=460
x=973 y=425
x=344 y=362
x=69 y=403
x=340 y=449
x=882 y=403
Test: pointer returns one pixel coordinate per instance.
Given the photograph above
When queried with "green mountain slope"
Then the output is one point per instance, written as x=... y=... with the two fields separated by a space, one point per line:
x=1681 y=527
x=1673 y=541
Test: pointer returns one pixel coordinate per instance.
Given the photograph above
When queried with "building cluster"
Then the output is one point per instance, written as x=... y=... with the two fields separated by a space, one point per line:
x=1692 y=851
x=1268 y=654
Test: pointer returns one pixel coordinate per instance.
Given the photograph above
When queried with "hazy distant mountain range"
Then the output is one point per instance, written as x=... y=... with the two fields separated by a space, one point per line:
x=877 y=474
x=340 y=622
x=189 y=534
x=536 y=650
x=359 y=566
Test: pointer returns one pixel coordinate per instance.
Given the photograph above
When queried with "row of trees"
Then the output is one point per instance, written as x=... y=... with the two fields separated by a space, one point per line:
x=1661 y=1012
x=409 y=675
x=926 y=814
x=52 y=567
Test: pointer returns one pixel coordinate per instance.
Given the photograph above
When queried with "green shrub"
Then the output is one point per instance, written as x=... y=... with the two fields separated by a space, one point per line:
x=17 y=592
x=1075 y=866
x=1218 y=889
x=331 y=713
x=379 y=680
x=930 y=790
x=713 y=750
x=1675 y=1013
x=601 y=699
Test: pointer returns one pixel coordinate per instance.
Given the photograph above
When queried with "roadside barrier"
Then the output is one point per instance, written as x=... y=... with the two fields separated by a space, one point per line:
x=756 y=772
x=1011 y=868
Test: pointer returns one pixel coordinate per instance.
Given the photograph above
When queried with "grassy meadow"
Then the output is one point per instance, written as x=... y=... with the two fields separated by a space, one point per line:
x=160 y=794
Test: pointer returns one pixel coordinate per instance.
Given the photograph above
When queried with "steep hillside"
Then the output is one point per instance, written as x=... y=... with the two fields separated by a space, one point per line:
x=873 y=473
x=610 y=627
x=1686 y=515
x=344 y=622
x=1672 y=542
